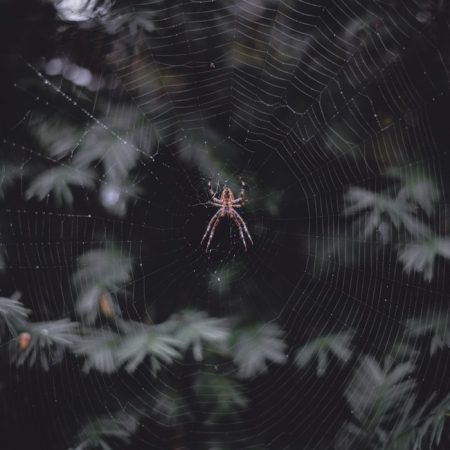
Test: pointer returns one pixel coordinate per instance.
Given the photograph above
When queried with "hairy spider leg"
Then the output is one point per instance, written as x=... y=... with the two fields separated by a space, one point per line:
x=213 y=229
x=211 y=222
x=211 y=192
x=241 y=197
x=239 y=218
x=236 y=221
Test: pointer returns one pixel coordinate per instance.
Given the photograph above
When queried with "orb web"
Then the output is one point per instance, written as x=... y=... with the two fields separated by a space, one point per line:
x=302 y=100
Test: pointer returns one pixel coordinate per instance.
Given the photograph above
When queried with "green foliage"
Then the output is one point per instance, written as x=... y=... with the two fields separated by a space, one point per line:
x=101 y=145
x=99 y=348
x=417 y=188
x=130 y=23
x=57 y=182
x=434 y=324
x=253 y=346
x=376 y=394
x=415 y=199
x=100 y=272
x=47 y=345
x=13 y=315
x=319 y=349
x=432 y=428
x=167 y=405
x=147 y=341
x=9 y=174
x=105 y=268
x=213 y=360
x=221 y=396
x=105 y=431
x=196 y=331
x=57 y=137
x=381 y=210
x=420 y=256
x=88 y=305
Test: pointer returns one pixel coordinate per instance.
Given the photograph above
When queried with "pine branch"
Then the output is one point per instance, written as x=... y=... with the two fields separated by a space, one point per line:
x=105 y=431
x=256 y=345
x=197 y=331
x=321 y=348
x=96 y=302
x=57 y=182
x=220 y=395
x=380 y=210
x=13 y=315
x=43 y=343
x=420 y=256
x=435 y=324
x=105 y=268
x=418 y=188
x=433 y=426
x=148 y=341
x=376 y=394
x=99 y=348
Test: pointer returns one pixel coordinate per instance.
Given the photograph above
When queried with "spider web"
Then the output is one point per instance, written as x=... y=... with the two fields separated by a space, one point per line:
x=302 y=99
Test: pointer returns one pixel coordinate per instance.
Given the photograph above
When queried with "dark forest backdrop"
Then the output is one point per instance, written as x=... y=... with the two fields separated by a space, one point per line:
x=118 y=330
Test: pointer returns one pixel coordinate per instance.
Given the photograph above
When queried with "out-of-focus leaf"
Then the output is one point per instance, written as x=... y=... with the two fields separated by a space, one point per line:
x=417 y=188
x=102 y=145
x=144 y=341
x=131 y=22
x=255 y=345
x=9 y=173
x=58 y=181
x=375 y=394
x=167 y=405
x=435 y=324
x=105 y=431
x=433 y=426
x=104 y=268
x=13 y=315
x=101 y=273
x=195 y=330
x=99 y=349
x=420 y=256
x=376 y=208
x=220 y=395
x=44 y=343
x=95 y=302
x=320 y=348
x=56 y=137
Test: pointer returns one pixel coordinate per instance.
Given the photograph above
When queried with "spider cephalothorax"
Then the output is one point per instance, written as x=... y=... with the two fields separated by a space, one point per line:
x=227 y=204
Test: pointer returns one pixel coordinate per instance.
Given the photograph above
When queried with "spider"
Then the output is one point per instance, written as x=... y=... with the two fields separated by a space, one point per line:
x=227 y=204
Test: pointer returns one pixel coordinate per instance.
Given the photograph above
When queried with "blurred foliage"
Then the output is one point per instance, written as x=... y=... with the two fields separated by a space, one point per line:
x=57 y=182
x=383 y=213
x=43 y=343
x=13 y=315
x=320 y=349
x=201 y=377
x=106 y=432
x=255 y=346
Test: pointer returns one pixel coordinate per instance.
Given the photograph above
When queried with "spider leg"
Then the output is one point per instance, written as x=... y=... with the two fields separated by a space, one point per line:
x=210 y=224
x=241 y=220
x=211 y=192
x=213 y=229
x=239 y=227
x=241 y=198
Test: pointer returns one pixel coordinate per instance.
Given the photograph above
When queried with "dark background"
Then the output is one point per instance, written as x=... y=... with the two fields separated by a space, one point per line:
x=214 y=74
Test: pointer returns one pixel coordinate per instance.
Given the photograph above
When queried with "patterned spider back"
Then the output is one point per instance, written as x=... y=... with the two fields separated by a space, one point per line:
x=227 y=196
